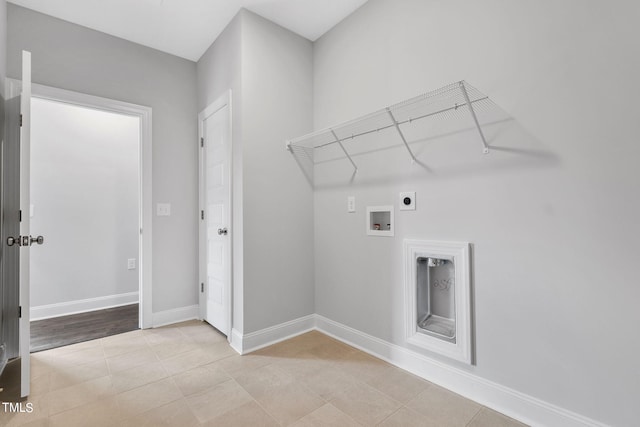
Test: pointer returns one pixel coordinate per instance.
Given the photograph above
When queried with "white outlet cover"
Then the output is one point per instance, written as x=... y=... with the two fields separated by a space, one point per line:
x=163 y=209
x=409 y=196
x=131 y=264
x=351 y=204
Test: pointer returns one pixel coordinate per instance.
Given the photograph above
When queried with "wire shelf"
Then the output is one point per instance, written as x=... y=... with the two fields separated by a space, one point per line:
x=451 y=101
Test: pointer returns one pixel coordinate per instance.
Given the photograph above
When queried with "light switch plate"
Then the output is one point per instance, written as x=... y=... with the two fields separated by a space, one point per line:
x=351 y=204
x=408 y=201
x=163 y=209
x=131 y=264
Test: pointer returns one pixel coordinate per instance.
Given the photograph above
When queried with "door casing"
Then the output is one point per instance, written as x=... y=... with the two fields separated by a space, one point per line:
x=145 y=179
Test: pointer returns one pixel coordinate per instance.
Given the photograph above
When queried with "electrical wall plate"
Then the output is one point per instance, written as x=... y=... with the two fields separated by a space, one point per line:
x=351 y=204
x=408 y=201
x=163 y=209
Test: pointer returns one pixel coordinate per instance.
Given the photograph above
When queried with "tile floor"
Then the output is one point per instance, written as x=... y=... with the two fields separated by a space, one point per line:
x=186 y=375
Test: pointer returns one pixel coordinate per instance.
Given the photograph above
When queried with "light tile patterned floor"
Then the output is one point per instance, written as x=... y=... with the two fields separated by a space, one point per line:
x=186 y=375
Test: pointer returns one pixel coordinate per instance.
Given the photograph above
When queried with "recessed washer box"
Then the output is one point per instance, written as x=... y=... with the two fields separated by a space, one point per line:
x=438 y=297
x=380 y=221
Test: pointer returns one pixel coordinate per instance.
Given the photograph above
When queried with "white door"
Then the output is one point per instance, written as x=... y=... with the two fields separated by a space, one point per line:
x=16 y=238
x=215 y=214
x=25 y=226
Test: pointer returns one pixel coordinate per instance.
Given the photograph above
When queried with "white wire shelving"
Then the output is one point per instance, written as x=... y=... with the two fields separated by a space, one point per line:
x=453 y=100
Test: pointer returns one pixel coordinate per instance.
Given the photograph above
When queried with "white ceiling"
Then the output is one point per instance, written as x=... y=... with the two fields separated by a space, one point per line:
x=186 y=28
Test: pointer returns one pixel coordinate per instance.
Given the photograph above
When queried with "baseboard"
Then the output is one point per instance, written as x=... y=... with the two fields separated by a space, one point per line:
x=176 y=315
x=246 y=343
x=236 y=341
x=517 y=405
x=520 y=406
x=41 y=312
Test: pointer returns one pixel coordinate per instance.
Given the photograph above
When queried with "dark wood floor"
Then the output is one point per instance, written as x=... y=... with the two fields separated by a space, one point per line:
x=66 y=330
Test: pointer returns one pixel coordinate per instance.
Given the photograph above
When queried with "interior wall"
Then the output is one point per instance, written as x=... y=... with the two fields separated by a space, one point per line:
x=84 y=195
x=277 y=84
x=3 y=45
x=72 y=57
x=271 y=82
x=3 y=75
x=551 y=211
x=219 y=70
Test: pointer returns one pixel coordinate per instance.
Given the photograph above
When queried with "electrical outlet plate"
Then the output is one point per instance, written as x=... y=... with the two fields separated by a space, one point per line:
x=131 y=264
x=408 y=201
x=163 y=209
x=351 y=204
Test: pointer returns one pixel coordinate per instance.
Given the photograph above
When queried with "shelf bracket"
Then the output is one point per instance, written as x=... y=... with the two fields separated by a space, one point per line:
x=404 y=140
x=343 y=149
x=463 y=89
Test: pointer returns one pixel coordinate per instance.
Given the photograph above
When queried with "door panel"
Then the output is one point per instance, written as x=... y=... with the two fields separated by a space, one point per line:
x=215 y=182
x=25 y=222
x=11 y=228
x=15 y=236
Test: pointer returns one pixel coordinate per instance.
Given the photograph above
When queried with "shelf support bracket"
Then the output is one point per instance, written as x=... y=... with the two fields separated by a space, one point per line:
x=463 y=89
x=343 y=149
x=404 y=140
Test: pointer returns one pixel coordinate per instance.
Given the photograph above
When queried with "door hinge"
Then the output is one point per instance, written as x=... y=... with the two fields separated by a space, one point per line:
x=19 y=312
x=201 y=214
x=201 y=287
x=20 y=120
x=20 y=216
x=201 y=141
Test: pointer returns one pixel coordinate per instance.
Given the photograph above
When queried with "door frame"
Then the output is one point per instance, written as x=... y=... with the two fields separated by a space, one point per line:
x=221 y=102
x=145 y=211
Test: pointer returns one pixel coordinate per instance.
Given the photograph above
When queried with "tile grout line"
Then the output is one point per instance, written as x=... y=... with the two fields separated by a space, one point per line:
x=257 y=403
x=390 y=415
x=201 y=343
x=474 y=416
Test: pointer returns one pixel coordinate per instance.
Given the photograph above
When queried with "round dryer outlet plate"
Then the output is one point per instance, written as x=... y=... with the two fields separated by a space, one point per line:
x=408 y=201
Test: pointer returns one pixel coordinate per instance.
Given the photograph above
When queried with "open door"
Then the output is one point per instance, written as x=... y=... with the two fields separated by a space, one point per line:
x=16 y=237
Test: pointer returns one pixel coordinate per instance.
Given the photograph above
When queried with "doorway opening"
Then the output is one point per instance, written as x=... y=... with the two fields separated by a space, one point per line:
x=91 y=199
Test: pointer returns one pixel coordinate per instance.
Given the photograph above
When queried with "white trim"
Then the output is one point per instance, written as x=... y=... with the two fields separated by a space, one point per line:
x=253 y=341
x=520 y=406
x=176 y=315
x=505 y=400
x=236 y=341
x=145 y=185
x=460 y=349
x=82 y=306
x=224 y=100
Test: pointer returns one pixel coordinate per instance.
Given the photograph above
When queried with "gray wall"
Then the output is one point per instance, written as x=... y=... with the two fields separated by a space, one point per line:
x=3 y=43
x=552 y=211
x=219 y=70
x=3 y=74
x=277 y=76
x=84 y=193
x=272 y=100
x=72 y=57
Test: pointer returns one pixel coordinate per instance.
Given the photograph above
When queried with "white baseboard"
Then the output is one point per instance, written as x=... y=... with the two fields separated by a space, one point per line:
x=175 y=315
x=520 y=406
x=236 y=341
x=515 y=404
x=246 y=343
x=82 y=306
